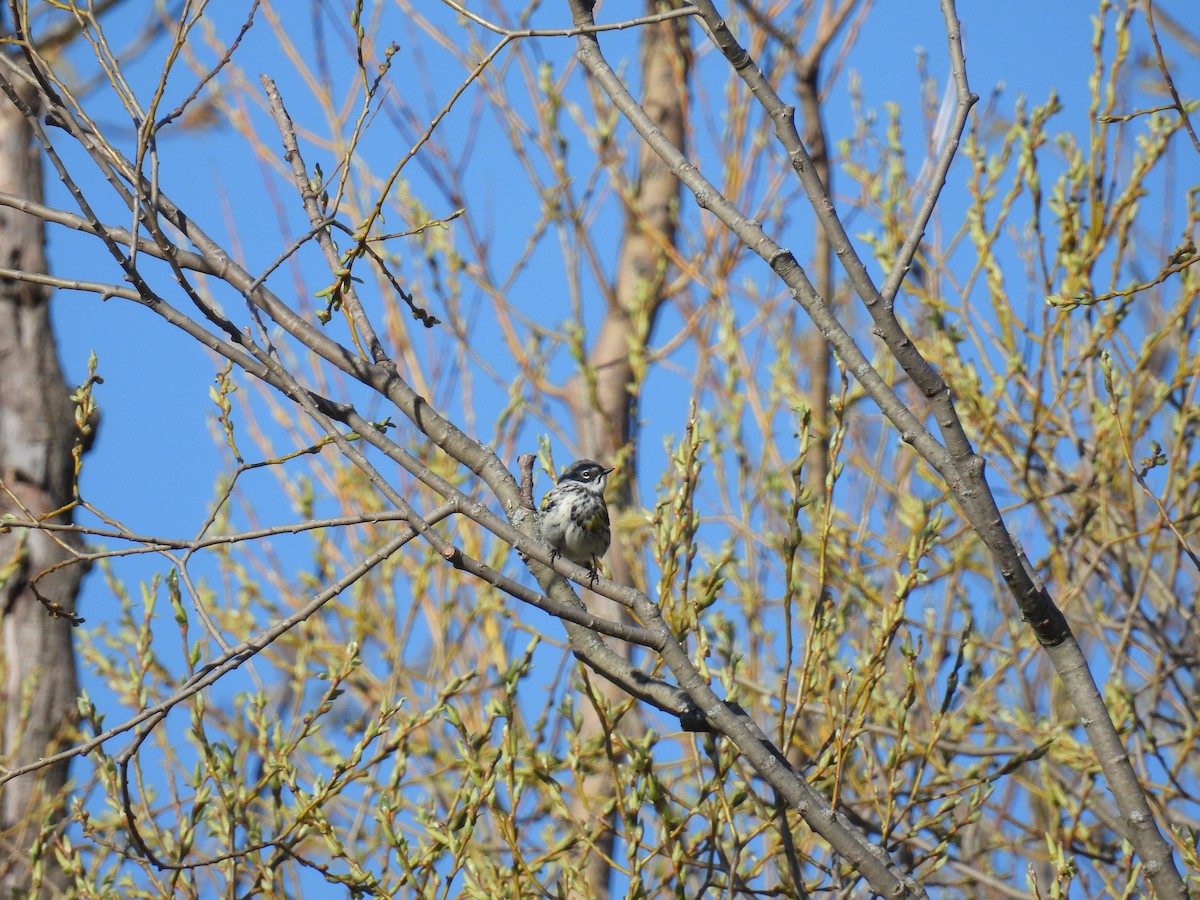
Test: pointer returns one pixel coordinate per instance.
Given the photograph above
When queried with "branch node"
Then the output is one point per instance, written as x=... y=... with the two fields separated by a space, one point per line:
x=525 y=467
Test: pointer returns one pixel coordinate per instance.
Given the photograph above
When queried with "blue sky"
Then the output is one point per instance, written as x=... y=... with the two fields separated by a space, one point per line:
x=155 y=396
x=157 y=461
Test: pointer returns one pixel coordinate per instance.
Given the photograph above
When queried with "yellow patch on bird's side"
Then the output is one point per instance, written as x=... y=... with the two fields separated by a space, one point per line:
x=600 y=518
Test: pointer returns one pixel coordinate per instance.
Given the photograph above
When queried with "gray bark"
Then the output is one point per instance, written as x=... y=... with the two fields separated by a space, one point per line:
x=38 y=686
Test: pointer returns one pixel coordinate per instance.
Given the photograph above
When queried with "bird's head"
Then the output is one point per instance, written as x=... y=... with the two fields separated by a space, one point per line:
x=587 y=472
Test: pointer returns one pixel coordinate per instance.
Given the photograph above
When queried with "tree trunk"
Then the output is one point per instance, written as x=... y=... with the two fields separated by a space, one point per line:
x=36 y=476
x=604 y=422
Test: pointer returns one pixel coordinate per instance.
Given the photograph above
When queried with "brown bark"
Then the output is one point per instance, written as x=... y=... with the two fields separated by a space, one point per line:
x=604 y=419
x=36 y=473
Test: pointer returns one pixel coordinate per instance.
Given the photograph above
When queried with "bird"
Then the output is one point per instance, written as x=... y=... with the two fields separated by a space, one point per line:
x=575 y=516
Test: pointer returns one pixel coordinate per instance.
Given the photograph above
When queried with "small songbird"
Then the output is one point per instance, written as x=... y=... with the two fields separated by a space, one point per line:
x=575 y=516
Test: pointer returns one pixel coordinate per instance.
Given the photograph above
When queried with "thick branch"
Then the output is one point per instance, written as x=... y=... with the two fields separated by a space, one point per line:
x=962 y=470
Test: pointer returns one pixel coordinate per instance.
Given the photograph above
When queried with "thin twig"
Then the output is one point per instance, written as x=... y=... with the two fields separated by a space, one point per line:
x=1167 y=79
